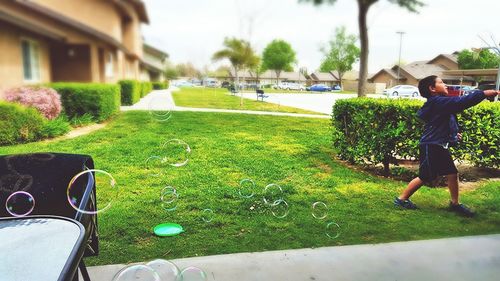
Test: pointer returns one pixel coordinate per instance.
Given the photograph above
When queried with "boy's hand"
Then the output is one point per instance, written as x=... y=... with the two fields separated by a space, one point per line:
x=491 y=93
x=459 y=136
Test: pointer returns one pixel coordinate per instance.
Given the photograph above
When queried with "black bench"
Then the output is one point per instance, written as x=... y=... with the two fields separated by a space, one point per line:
x=260 y=94
x=233 y=91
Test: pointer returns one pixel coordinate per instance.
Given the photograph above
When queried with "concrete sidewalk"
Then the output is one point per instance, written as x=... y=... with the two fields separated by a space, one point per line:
x=462 y=258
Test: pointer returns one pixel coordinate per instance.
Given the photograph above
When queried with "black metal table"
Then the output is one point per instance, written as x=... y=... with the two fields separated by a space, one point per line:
x=42 y=248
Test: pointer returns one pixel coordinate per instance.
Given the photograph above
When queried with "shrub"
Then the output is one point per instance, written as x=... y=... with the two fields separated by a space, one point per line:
x=480 y=134
x=56 y=127
x=19 y=124
x=45 y=100
x=130 y=91
x=380 y=131
x=99 y=100
x=78 y=121
x=146 y=88
x=160 y=85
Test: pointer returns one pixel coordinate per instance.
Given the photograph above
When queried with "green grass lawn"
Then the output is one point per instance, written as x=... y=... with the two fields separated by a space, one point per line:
x=295 y=153
x=221 y=98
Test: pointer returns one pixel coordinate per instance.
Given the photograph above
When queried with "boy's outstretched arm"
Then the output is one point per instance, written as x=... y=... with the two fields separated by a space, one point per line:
x=458 y=104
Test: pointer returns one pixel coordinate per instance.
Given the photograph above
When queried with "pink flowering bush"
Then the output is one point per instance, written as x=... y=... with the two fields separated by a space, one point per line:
x=46 y=100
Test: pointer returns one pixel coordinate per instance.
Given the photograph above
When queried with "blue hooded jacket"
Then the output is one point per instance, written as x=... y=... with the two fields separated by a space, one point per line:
x=439 y=114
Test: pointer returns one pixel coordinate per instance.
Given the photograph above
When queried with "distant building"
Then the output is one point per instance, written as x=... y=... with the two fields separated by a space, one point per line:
x=413 y=72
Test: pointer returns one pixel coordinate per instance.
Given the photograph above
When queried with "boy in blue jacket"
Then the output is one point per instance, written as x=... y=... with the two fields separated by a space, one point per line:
x=440 y=132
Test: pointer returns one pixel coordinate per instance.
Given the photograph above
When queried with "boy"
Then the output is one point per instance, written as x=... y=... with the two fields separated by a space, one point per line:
x=440 y=132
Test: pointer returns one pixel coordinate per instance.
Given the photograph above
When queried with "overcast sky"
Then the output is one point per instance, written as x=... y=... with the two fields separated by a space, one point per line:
x=192 y=30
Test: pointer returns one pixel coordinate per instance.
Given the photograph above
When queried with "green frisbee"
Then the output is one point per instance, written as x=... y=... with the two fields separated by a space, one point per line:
x=168 y=229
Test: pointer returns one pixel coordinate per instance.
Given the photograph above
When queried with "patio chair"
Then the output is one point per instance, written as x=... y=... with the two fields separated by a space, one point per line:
x=46 y=177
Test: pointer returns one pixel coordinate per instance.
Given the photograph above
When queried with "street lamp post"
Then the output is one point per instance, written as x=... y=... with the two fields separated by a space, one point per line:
x=400 y=43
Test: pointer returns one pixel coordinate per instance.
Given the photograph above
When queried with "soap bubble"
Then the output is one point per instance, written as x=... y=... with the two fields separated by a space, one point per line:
x=175 y=152
x=332 y=230
x=272 y=194
x=279 y=208
x=137 y=272
x=207 y=215
x=193 y=273
x=106 y=191
x=153 y=165
x=169 y=198
x=247 y=188
x=160 y=108
x=319 y=210
x=20 y=204
x=165 y=269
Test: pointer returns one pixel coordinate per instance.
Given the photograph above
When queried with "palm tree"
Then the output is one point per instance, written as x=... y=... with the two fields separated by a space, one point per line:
x=240 y=54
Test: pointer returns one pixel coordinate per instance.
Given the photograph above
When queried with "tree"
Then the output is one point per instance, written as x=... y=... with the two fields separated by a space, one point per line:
x=256 y=69
x=363 y=7
x=171 y=73
x=477 y=59
x=187 y=70
x=240 y=54
x=343 y=53
x=278 y=56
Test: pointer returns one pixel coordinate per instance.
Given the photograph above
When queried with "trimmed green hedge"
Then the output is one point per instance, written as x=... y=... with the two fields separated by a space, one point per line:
x=131 y=91
x=19 y=124
x=99 y=100
x=146 y=88
x=376 y=131
x=160 y=85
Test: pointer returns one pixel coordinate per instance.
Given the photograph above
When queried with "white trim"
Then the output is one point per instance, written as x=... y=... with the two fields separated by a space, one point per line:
x=109 y=66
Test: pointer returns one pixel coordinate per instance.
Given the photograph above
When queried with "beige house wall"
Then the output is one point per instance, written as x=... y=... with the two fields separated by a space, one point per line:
x=58 y=61
x=385 y=78
x=371 y=88
x=101 y=15
x=11 y=63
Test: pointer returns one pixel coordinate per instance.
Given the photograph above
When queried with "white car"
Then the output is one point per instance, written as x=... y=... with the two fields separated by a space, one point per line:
x=402 y=91
x=291 y=86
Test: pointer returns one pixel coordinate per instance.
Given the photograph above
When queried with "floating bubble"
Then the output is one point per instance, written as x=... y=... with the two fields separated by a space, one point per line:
x=106 y=191
x=207 y=215
x=20 y=204
x=319 y=210
x=153 y=165
x=160 y=108
x=279 y=209
x=332 y=230
x=165 y=269
x=247 y=188
x=169 y=198
x=193 y=273
x=137 y=272
x=272 y=194
x=175 y=152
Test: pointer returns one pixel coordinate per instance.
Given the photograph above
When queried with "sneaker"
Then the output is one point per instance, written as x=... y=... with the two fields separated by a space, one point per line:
x=405 y=204
x=462 y=210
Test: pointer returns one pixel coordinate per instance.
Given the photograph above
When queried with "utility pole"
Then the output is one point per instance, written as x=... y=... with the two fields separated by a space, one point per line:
x=400 y=43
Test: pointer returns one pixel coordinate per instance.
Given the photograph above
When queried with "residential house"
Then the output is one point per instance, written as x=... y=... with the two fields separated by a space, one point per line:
x=326 y=78
x=153 y=64
x=78 y=40
x=413 y=72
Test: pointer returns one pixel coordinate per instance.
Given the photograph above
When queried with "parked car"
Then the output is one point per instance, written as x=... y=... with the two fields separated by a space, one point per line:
x=291 y=86
x=319 y=88
x=457 y=90
x=183 y=83
x=402 y=90
x=336 y=88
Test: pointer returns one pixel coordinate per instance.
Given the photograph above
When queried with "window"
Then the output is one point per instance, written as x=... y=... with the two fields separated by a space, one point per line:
x=31 y=65
x=109 y=71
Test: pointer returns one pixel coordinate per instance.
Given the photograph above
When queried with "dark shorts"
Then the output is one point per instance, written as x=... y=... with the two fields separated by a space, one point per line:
x=435 y=161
